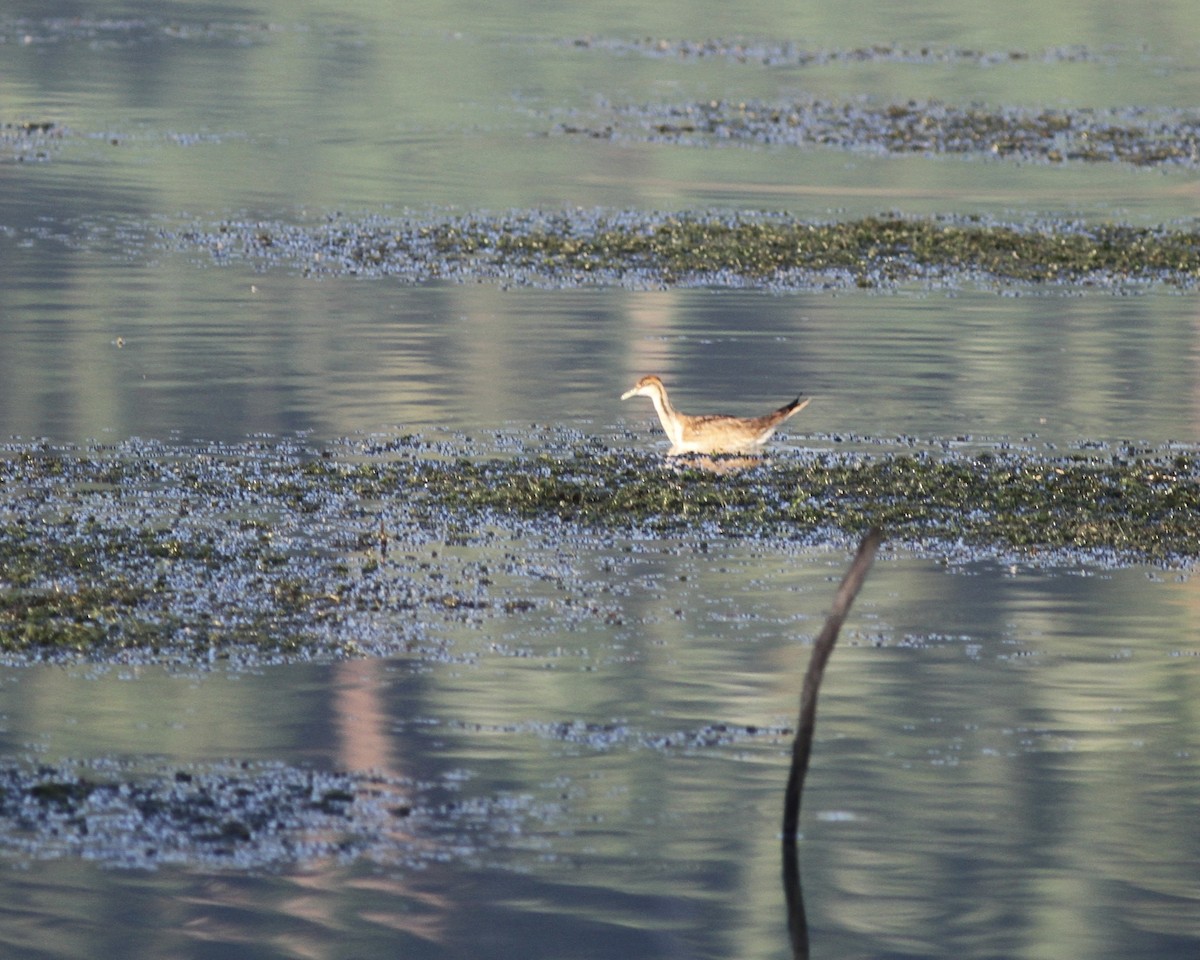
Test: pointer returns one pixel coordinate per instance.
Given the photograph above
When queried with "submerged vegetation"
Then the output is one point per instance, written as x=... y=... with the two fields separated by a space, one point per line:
x=164 y=553
x=765 y=250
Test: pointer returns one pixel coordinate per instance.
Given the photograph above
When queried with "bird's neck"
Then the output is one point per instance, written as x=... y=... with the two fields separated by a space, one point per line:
x=667 y=416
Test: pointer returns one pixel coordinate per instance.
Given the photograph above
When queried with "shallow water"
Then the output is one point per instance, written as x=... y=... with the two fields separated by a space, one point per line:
x=998 y=755
x=238 y=355
x=1006 y=754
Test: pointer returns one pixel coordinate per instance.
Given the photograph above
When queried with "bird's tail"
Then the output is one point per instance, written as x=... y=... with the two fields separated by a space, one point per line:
x=790 y=409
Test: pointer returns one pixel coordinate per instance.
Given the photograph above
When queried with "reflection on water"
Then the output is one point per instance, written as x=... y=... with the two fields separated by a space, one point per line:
x=1007 y=757
x=793 y=897
x=233 y=354
x=996 y=752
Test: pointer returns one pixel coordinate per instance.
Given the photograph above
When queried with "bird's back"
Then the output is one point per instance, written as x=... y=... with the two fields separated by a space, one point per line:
x=720 y=433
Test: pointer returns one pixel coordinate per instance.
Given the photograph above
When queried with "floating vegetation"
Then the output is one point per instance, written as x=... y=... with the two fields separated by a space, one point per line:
x=610 y=736
x=1135 y=507
x=110 y=32
x=136 y=813
x=788 y=53
x=29 y=141
x=244 y=816
x=695 y=249
x=1134 y=135
x=144 y=552
x=1137 y=136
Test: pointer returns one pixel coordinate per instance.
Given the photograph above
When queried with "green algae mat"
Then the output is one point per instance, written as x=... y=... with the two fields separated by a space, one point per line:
x=275 y=549
x=767 y=250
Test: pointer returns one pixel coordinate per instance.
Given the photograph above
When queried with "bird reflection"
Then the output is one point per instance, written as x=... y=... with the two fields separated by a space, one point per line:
x=719 y=465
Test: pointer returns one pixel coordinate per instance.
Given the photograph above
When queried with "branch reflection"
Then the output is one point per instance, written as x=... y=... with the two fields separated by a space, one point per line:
x=793 y=896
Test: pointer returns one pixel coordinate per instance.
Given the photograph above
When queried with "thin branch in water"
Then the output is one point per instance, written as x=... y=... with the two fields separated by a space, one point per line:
x=802 y=745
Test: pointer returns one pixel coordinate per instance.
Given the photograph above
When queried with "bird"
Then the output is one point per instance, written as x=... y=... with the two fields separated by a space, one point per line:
x=713 y=432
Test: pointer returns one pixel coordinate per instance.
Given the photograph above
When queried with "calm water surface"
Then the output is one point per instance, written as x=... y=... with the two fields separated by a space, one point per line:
x=1007 y=754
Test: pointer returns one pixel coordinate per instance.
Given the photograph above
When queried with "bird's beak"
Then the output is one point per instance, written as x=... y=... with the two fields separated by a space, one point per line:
x=629 y=393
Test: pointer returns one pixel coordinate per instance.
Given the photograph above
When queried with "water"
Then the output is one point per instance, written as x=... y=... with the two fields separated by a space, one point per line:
x=233 y=354
x=1006 y=755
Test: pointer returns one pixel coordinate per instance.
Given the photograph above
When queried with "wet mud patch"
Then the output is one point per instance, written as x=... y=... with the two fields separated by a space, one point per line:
x=1138 y=136
x=772 y=251
x=274 y=551
x=249 y=816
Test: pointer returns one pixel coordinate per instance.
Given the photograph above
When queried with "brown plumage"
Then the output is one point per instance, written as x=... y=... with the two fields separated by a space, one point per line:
x=714 y=432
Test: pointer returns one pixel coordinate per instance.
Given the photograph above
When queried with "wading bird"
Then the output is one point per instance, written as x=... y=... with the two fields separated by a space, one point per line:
x=712 y=432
